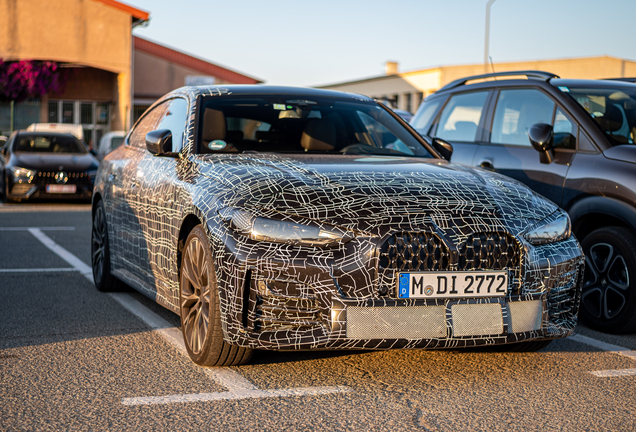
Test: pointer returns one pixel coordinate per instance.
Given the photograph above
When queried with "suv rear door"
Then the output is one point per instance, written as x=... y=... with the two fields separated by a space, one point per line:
x=506 y=148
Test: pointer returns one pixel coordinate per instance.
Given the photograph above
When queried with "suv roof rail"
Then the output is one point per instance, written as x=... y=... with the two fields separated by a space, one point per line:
x=530 y=74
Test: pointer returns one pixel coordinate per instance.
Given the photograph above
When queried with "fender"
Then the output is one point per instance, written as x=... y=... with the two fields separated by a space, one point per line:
x=605 y=206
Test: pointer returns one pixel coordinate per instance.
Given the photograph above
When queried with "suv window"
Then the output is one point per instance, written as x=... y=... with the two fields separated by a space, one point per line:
x=460 y=118
x=424 y=116
x=517 y=111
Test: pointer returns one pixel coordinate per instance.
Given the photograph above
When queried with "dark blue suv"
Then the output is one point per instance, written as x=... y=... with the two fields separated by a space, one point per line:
x=572 y=141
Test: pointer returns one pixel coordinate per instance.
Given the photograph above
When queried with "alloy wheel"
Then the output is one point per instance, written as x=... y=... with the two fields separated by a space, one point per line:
x=98 y=244
x=606 y=284
x=195 y=295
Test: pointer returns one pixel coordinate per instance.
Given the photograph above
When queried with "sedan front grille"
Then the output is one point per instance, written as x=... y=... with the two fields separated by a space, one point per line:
x=414 y=251
x=76 y=178
x=488 y=251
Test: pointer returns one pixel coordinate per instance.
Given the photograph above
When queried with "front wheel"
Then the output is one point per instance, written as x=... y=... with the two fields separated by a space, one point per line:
x=199 y=305
x=608 y=299
x=100 y=253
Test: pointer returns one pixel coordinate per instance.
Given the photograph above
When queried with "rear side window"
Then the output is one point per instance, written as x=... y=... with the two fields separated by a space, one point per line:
x=517 y=111
x=461 y=116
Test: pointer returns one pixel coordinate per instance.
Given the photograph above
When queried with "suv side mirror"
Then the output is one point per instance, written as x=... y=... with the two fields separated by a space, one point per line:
x=444 y=148
x=159 y=142
x=541 y=136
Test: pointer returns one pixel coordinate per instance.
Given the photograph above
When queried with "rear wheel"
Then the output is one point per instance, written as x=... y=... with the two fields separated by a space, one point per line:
x=100 y=253
x=608 y=300
x=199 y=305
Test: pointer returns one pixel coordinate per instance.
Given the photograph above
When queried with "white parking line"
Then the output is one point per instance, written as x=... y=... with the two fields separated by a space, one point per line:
x=238 y=386
x=38 y=270
x=614 y=373
x=604 y=346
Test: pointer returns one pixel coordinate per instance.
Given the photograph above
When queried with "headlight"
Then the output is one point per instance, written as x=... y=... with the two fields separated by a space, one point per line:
x=22 y=173
x=265 y=229
x=549 y=230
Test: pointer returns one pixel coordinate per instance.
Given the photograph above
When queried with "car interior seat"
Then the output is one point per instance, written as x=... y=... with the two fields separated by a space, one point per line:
x=612 y=121
x=214 y=128
x=319 y=135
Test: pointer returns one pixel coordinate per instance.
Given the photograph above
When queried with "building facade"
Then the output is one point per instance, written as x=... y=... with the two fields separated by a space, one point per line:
x=111 y=76
x=407 y=89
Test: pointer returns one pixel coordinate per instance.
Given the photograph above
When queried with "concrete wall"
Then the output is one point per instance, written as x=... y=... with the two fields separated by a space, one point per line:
x=86 y=32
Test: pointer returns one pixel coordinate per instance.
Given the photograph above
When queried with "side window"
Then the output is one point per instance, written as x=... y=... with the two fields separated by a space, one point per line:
x=174 y=118
x=460 y=119
x=147 y=124
x=516 y=112
x=564 y=131
x=424 y=116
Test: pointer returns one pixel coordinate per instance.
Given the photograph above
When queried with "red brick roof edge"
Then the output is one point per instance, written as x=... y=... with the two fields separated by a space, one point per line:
x=136 y=13
x=188 y=61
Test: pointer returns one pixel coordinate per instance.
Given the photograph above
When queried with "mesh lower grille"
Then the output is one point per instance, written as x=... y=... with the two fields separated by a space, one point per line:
x=477 y=319
x=563 y=298
x=409 y=322
x=525 y=315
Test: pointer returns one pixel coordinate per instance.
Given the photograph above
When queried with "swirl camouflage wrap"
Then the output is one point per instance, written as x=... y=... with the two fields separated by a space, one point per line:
x=328 y=223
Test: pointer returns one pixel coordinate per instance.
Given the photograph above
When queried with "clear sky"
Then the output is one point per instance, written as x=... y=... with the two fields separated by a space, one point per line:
x=308 y=43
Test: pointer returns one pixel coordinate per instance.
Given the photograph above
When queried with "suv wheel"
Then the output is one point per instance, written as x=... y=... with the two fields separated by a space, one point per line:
x=608 y=301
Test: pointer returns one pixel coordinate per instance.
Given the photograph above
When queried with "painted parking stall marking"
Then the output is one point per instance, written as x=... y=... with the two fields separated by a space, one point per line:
x=238 y=387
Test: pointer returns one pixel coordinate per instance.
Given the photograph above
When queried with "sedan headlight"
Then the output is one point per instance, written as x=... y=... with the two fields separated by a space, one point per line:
x=22 y=173
x=550 y=230
x=265 y=229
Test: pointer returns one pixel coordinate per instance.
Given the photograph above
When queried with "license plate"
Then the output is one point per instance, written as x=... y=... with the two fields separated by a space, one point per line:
x=61 y=188
x=452 y=284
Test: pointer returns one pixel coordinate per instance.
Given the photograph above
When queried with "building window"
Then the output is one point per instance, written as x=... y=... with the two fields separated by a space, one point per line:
x=138 y=111
x=93 y=116
x=407 y=102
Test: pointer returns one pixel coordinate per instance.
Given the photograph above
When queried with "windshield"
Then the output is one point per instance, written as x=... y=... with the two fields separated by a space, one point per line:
x=62 y=143
x=289 y=124
x=613 y=109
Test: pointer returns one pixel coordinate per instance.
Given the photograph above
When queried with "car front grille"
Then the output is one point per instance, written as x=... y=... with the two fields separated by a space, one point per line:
x=76 y=178
x=414 y=251
x=422 y=251
x=426 y=251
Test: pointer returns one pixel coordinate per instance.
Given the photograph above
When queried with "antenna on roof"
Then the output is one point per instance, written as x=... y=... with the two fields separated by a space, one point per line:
x=492 y=65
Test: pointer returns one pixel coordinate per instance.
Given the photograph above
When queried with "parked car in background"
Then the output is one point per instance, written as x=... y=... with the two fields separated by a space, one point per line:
x=572 y=141
x=279 y=218
x=46 y=165
x=109 y=142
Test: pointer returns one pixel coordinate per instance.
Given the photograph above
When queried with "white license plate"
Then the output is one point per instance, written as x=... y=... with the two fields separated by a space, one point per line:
x=61 y=188
x=452 y=284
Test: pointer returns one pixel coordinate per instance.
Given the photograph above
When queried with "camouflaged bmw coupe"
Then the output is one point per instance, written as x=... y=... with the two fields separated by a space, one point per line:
x=288 y=218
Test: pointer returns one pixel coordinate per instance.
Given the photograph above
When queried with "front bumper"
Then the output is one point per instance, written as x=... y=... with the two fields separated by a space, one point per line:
x=282 y=297
x=22 y=191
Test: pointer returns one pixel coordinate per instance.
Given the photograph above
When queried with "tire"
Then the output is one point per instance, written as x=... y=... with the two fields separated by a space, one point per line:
x=608 y=299
x=199 y=307
x=100 y=253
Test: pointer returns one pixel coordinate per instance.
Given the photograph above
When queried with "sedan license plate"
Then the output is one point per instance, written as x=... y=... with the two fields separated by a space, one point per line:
x=61 y=188
x=452 y=284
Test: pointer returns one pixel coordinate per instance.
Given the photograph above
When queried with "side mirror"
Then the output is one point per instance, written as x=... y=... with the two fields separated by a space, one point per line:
x=159 y=142
x=541 y=136
x=444 y=148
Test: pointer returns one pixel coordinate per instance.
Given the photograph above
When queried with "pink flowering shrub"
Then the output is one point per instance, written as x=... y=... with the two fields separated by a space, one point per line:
x=27 y=79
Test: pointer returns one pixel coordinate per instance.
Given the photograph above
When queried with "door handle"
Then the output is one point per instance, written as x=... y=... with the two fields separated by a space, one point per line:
x=487 y=164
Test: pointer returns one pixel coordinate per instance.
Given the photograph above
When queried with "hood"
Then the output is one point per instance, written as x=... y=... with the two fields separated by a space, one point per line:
x=55 y=162
x=625 y=153
x=365 y=192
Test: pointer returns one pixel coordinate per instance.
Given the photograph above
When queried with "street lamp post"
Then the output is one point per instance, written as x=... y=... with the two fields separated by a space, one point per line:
x=487 y=42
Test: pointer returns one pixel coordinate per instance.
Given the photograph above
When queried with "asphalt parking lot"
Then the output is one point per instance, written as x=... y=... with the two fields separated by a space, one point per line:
x=74 y=358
